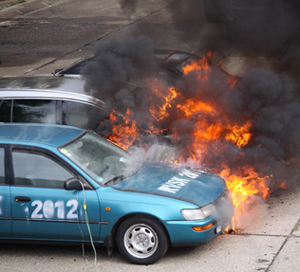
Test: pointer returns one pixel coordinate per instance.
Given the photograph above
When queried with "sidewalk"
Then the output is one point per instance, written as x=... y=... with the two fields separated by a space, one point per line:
x=13 y=8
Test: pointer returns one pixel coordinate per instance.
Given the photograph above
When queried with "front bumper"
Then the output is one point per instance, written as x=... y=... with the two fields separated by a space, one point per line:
x=182 y=232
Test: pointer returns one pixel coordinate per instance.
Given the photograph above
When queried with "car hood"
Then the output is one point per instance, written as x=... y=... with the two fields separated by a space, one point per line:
x=191 y=185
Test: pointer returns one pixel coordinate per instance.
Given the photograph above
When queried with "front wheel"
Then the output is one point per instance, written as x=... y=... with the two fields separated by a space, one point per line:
x=142 y=240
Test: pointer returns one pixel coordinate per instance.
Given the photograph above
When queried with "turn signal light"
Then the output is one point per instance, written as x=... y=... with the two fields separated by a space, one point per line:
x=201 y=228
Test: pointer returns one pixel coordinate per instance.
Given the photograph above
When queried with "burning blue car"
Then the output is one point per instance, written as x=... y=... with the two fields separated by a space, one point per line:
x=65 y=184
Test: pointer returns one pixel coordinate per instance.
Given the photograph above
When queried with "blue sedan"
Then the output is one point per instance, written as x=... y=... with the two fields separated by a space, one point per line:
x=65 y=184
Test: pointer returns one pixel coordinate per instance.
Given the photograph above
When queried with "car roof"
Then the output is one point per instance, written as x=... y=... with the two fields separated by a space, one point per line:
x=39 y=134
x=163 y=56
x=46 y=87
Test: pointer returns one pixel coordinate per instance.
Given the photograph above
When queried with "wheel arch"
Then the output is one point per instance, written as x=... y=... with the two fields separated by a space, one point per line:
x=110 y=240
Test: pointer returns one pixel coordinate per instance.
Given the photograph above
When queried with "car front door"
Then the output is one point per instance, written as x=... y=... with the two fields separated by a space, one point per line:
x=5 y=212
x=41 y=208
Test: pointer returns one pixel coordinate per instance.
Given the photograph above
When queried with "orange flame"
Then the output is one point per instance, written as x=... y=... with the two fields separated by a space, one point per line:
x=210 y=124
x=282 y=185
x=206 y=130
x=232 y=81
x=202 y=67
x=123 y=134
x=191 y=107
x=160 y=112
x=239 y=135
x=242 y=186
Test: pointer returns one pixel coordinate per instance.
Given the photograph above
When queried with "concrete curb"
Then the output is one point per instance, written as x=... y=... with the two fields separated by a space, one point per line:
x=10 y=9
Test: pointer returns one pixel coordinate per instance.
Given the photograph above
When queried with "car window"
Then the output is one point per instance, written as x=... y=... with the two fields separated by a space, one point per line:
x=2 y=167
x=100 y=159
x=34 y=111
x=33 y=168
x=83 y=115
x=5 y=110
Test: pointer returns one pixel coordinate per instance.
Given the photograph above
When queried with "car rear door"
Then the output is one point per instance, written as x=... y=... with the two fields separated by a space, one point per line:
x=5 y=211
x=41 y=208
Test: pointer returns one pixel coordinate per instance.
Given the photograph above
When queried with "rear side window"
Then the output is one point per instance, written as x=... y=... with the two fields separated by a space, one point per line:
x=5 y=110
x=34 y=111
x=2 y=166
x=83 y=115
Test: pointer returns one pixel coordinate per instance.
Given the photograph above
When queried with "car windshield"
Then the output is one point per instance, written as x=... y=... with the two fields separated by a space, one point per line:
x=105 y=162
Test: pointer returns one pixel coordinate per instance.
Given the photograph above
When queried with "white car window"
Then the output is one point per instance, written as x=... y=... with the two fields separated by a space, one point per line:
x=34 y=111
x=83 y=115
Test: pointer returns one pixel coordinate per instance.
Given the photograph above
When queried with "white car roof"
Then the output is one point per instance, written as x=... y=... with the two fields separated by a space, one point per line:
x=46 y=87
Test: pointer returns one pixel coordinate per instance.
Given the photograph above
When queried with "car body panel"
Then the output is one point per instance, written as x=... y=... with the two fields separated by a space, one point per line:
x=127 y=204
x=44 y=213
x=50 y=135
x=169 y=62
x=54 y=213
x=49 y=94
x=181 y=232
x=5 y=211
x=46 y=87
x=167 y=210
x=175 y=182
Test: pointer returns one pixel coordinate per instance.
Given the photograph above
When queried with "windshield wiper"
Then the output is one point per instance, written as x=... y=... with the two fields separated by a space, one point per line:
x=115 y=180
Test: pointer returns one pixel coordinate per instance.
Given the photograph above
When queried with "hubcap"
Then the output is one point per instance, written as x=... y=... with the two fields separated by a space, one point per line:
x=141 y=241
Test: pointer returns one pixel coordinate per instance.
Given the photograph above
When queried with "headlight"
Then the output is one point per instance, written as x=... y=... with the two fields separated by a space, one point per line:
x=198 y=214
x=208 y=210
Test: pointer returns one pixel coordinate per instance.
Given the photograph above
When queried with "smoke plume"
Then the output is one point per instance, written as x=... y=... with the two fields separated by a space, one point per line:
x=123 y=72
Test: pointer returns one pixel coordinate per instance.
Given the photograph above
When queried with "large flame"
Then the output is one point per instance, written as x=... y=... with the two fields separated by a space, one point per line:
x=242 y=186
x=210 y=125
x=124 y=133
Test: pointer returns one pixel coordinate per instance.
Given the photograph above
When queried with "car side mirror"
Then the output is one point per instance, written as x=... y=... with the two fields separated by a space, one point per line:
x=72 y=184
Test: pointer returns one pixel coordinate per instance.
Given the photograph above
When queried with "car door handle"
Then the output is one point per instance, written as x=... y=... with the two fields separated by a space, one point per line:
x=22 y=199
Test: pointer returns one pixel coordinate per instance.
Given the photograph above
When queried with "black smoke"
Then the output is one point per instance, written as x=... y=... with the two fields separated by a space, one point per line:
x=120 y=70
x=269 y=100
x=119 y=74
x=251 y=28
x=117 y=63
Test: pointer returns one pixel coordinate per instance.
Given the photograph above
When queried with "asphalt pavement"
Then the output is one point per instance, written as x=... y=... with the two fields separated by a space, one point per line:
x=270 y=239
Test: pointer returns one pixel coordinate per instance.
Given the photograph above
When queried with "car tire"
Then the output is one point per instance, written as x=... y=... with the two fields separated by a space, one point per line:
x=142 y=240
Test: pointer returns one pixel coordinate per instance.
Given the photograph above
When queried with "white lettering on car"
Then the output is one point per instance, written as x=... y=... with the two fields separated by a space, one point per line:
x=71 y=214
x=173 y=185
x=60 y=209
x=39 y=206
x=189 y=173
x=167 y=189
x=48 y=209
